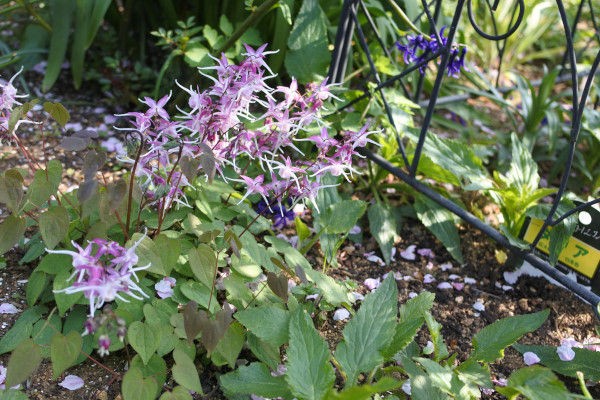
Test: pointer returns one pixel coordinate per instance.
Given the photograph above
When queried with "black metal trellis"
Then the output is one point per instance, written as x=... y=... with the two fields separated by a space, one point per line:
x=350 y=29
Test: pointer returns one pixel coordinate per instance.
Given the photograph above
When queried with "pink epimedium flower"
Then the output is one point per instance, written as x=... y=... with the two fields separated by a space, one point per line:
x=164 y=287
x=106 y=273
x=254 y=185
x=157 y=107
x=323 y=141
x=103 y=345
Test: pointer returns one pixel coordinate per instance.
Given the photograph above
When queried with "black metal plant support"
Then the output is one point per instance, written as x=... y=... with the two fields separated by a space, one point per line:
x=350 y=29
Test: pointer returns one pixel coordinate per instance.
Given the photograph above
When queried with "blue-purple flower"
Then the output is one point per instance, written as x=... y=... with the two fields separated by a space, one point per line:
x=419 y=47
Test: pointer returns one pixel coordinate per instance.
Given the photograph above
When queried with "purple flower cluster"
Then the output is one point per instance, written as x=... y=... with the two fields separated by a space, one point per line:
x=8 y=100
x=419 y=47
x=103 y=270
x=280 y=215
x=240 y=120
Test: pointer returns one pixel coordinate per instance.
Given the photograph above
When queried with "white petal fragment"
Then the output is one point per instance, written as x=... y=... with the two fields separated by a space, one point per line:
x=72 y=382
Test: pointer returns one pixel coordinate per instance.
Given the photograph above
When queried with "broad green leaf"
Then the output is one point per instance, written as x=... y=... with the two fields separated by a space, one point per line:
x=55 y=264
x=136 y=387
x=254 y=378
x=265 y=352
x=45 y=183
x=229 y=347
x=308 y=55
x=586 y=361
x=274 y=332
x=197 y=56
x=342 y=216
x=309 y=371
x=185 y=372
x=441 y=223
x=64 y=351
x=440 y=376
x=21 y=329
x=366 y=392
x=458 y=158
x=156 y=368
x=35 y=286
x=61 y=14
x=18 y=112
x=422 y=387
x=63 y=300
x=333 y=292
x=535 y=383
x=11 y=189
x=44 y=330
x=369 y=332
x=382 y=224
x=417 y=307
x=523 y=170
x=13 y=394
x=200 y=294
x=143 y=339
x=490 y=342
x=54 y=225
x=24 y=360
x=435 y=331
x=203 y=263
x=404 y=333
x=11 y=231
x=178 y=393
x=58 y=112
x=161 y=253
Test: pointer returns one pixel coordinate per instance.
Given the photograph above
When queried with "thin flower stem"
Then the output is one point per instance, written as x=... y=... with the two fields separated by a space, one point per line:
x=407 y=20
x=131 y=182
x=46 y=324
x=584 y=389
x=252 y=19
x=212 y=288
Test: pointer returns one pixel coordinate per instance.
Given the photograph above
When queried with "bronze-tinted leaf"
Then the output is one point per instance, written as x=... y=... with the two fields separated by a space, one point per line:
x=92 y=162
x=234 y=242
x=87 y=190
x=213 y=330
x=208 y=162
x=192 y=322
x=116 y=193
x=11 y=189
x=281 y=265
x=278 y=284
x=189 y=167
x=74 y=143
x=301 y=274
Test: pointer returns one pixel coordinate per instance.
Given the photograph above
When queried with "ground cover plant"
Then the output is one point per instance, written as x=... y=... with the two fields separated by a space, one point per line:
x=196 y=262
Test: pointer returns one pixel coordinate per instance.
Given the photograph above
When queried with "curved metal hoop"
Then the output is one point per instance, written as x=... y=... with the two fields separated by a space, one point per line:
x=511 y=30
